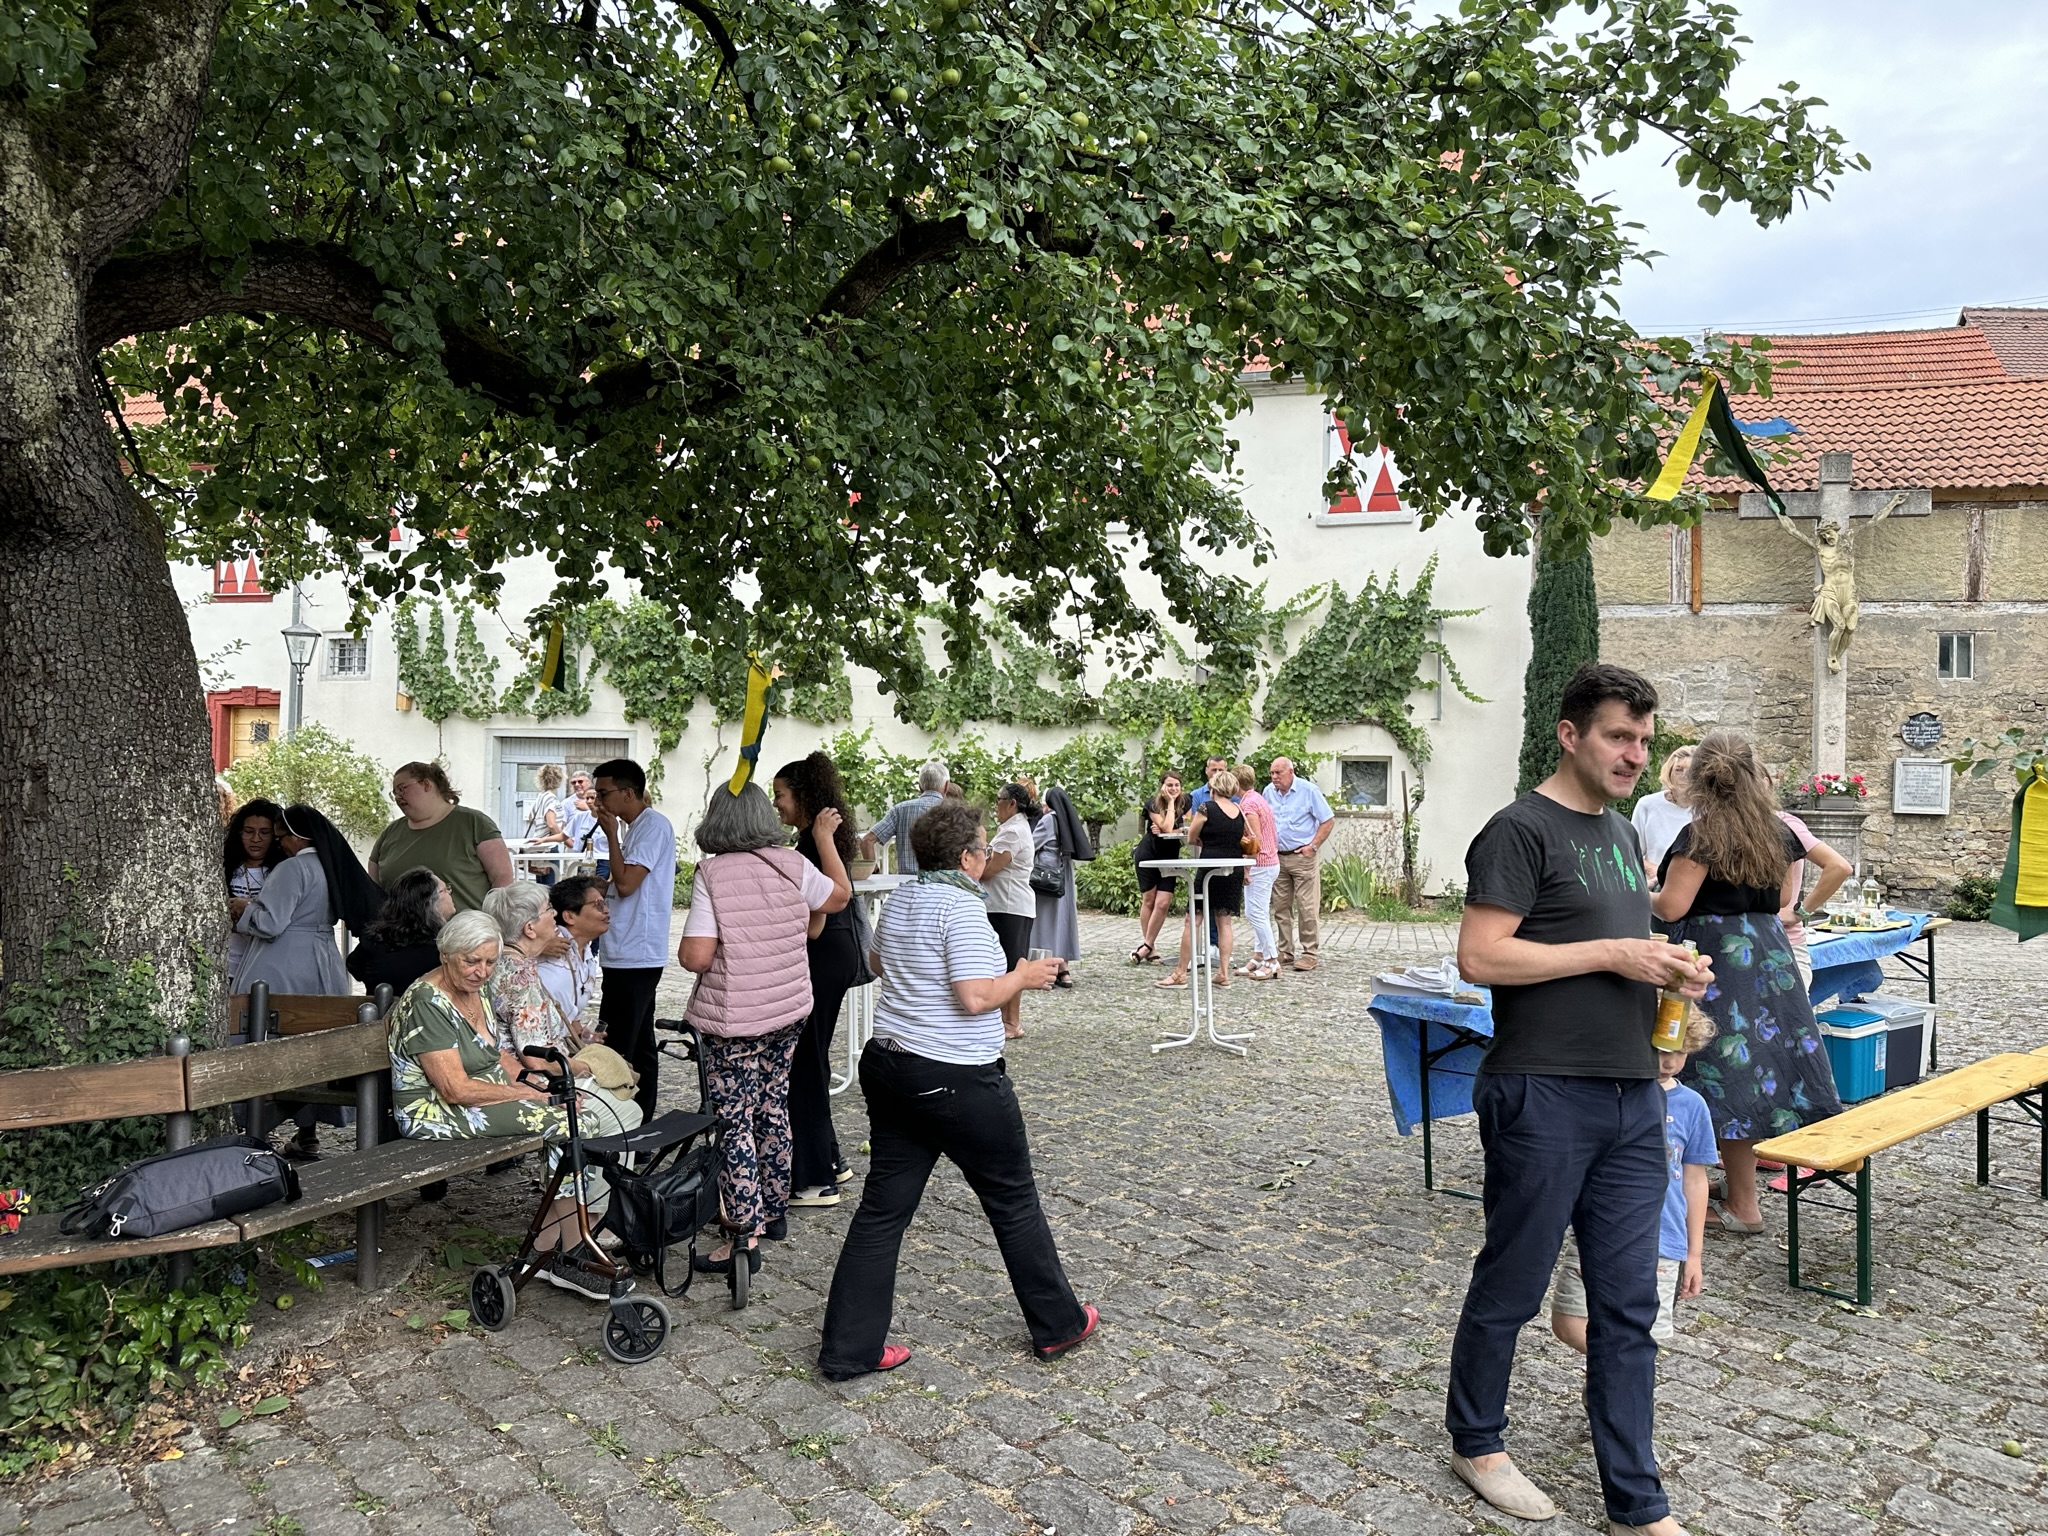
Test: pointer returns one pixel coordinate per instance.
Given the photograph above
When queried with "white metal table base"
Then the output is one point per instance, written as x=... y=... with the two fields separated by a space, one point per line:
x=860 y=1002
x=1201 y=971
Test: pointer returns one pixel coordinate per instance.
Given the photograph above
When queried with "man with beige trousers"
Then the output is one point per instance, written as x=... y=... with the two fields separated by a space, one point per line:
x=1304 y=821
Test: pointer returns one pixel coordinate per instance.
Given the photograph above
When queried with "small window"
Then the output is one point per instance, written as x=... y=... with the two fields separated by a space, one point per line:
x=259 y=732
x=1365 y=783
x=347 y=656
x=1954 y=659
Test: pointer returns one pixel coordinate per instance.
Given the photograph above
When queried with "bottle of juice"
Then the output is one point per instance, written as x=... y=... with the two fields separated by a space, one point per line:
x=1674 y=1012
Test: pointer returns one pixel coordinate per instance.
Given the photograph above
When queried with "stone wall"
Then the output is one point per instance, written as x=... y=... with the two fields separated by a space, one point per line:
x=1745 y=662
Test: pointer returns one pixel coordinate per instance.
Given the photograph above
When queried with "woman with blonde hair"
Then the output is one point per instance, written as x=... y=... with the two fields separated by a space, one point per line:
x=1658 y=816
x=1727 y=876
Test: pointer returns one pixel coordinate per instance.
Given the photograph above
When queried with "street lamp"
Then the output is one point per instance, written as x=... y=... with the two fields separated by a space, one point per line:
x=300 y=638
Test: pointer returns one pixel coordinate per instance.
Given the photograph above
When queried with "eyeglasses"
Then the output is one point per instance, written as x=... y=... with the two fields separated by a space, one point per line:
x=979 y=850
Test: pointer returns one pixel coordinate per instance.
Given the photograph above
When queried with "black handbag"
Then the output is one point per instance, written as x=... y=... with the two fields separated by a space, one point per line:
x=1050 y=879
x=654 y=1210
x=227 y=1176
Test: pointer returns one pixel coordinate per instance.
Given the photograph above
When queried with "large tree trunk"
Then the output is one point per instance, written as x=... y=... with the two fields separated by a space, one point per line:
x=105 y=776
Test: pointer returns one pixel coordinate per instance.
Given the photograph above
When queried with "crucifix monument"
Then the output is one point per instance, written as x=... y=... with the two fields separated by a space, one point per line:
x=1835 y=609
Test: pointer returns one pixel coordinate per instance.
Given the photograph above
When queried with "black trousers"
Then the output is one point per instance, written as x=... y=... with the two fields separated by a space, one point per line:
x=918 y=1111
x=625 y=1017
x=815 y=1158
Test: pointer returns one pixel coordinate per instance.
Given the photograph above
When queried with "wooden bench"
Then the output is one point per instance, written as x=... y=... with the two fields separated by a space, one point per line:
x=179 y=1086
x=1828 y=1151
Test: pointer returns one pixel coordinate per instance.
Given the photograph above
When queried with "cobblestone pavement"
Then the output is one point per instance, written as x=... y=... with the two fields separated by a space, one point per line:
x=1277 y=1295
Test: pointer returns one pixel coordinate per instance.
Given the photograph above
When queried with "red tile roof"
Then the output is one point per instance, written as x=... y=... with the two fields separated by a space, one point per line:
x=1881 y=360
x=1960 y=408
x=2019 y=337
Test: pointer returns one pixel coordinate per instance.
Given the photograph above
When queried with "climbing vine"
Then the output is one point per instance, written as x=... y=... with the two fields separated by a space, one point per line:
x=1364 y=660
x=423 y=669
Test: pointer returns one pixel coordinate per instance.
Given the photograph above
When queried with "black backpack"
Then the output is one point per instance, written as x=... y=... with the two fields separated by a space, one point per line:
x=227 y=1176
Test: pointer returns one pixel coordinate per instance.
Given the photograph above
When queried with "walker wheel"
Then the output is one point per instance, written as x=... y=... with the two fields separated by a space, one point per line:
x=492 y=1301
x=635 y=1329
x=740 y=1277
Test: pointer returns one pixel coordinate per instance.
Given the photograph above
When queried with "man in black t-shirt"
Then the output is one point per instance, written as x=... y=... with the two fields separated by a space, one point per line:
x=1557 y=922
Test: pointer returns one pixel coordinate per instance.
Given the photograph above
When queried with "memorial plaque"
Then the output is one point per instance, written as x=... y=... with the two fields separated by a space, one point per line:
x=1921 y=730
x=1920 y=786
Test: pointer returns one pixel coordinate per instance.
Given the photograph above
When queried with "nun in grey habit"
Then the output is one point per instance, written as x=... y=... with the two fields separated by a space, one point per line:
x=1060 y=840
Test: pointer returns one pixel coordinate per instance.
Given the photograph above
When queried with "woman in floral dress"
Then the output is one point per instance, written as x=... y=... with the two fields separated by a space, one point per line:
x=451 y=1081
x=1728 y=875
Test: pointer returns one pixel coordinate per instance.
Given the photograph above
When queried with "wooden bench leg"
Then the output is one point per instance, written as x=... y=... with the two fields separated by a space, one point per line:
x=1795 y=1182
x=1983 y=1147
x=1863 y=1235
x=178 y=1135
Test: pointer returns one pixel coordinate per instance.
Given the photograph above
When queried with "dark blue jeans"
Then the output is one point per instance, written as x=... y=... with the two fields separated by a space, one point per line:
x=1587 y=1153
x=918 y=1111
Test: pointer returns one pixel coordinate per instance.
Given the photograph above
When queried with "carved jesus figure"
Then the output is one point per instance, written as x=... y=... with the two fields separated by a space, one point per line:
x=1834 y=594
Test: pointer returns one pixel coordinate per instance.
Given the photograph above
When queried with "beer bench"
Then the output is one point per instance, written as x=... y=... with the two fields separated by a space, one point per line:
x=1829 y=1151
x=317 y=1041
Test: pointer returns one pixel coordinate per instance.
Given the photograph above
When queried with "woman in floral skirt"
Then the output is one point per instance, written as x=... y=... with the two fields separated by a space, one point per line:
x=1728 y=875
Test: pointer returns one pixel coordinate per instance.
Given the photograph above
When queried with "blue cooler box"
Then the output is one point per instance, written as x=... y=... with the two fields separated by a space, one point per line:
x=1856 y=1040
x=1910 y=1050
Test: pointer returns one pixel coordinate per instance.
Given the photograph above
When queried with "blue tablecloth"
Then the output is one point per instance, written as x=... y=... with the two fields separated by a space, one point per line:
x=1450 y=1083
x=1848 y=966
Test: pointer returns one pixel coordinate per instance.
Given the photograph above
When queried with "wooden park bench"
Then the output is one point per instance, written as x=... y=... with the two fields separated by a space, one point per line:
x=1829 y=1151
x=315 y=1041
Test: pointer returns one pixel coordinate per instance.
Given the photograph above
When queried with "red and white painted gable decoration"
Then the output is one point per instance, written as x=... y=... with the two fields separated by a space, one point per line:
x=1372 y=468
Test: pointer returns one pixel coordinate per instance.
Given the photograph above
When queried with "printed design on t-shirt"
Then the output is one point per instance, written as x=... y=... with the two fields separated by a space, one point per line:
x=1606 y=868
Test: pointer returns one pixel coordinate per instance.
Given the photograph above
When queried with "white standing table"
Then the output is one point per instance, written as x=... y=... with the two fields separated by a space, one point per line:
x=559 y=860
x=1201 y=971
x=860 y=1002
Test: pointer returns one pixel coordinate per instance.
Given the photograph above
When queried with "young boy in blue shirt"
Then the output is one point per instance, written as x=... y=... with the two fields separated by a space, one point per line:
x=1690 y=1150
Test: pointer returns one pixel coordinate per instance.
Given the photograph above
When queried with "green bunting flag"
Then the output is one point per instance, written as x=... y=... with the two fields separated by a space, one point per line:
x=1710 y=413
x=2022 y=900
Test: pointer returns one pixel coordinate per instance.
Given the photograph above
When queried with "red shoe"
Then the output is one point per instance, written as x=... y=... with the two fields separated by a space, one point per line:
x=893 y=1355
x=1054 y=1351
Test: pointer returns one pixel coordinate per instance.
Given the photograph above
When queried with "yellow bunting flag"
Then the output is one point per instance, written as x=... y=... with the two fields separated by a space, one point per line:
x=1688 y=444
x=2030 y=878
x=754 y=724
x=551 y=658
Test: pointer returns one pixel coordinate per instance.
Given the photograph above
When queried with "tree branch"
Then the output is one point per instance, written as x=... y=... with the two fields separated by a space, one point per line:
x=126 y=135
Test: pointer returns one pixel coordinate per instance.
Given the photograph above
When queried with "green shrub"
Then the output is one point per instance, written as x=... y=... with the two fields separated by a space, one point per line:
x=686 y=882
x=320 y=769
x=87 y=1347
x=1109 y=881
x=1452 y=902
x=1349 y=884
x=1970 y=901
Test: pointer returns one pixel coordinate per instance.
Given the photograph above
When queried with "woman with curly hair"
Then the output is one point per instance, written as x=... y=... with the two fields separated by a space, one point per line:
x=803 y=789
x=1729 y=873
x=249 y=852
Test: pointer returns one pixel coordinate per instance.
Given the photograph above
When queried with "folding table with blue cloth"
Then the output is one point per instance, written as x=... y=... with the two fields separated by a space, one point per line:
x=1847 y=966
x=1432 y=1047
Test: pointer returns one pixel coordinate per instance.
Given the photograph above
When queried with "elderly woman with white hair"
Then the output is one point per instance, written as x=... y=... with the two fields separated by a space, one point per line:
x=450 y=1079
x=530 y=1020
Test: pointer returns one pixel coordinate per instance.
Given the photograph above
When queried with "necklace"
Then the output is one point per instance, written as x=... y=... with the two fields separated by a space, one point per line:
x=467 y=1018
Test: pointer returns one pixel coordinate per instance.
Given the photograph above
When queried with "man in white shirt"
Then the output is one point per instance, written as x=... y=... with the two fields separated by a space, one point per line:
x=640 y=891
x=582 y=912
x=1304 y=821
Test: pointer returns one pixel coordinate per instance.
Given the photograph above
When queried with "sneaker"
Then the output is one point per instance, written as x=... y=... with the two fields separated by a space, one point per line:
x=575 y=1271
x=817 y=1194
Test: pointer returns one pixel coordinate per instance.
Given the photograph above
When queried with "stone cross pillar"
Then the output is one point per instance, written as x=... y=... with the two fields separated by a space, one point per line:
x=1831 y=689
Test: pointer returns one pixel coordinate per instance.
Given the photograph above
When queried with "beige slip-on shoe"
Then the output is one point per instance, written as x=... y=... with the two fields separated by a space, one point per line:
x=1506 y=1490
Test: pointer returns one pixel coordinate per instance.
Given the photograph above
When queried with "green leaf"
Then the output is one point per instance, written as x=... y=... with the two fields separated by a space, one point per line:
x=269 y=1405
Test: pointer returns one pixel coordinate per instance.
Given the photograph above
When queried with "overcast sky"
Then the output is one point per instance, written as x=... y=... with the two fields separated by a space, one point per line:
x=1948 y=98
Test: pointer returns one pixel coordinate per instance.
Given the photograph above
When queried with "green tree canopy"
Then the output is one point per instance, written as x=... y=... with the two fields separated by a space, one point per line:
x=664 y=286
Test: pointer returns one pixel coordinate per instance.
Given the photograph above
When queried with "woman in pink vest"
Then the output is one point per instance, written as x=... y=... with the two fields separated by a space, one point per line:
x=754 y=904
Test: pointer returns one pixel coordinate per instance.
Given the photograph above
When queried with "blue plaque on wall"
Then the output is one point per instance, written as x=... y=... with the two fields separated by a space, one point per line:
x=1921 y=730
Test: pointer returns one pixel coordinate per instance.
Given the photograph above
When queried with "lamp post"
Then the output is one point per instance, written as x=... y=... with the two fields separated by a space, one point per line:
x=300 y=638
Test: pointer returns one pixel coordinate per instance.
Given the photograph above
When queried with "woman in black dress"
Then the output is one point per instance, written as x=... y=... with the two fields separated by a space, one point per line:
x=398 y=948
x=1727 y=876
x=1216 y=831
x=816 y=1168
x=1161 y=822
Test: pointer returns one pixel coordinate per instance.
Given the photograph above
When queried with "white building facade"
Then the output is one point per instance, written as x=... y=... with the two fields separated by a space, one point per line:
x=1287 y=442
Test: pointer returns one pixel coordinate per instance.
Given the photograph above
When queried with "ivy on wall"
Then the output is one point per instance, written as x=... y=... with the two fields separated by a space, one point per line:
x=1364 y=660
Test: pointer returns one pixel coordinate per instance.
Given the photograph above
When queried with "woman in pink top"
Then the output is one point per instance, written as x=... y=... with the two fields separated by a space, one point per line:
x=1264 y=964
x=1834 y=869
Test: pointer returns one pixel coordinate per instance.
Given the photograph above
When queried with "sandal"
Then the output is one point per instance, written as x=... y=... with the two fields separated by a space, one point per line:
x=1177 y=979
x=1263 y=973
x=1144 y=954
x=1728 y=1221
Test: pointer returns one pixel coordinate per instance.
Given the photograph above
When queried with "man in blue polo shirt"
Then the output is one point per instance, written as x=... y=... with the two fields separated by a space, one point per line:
x=1303 y=821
